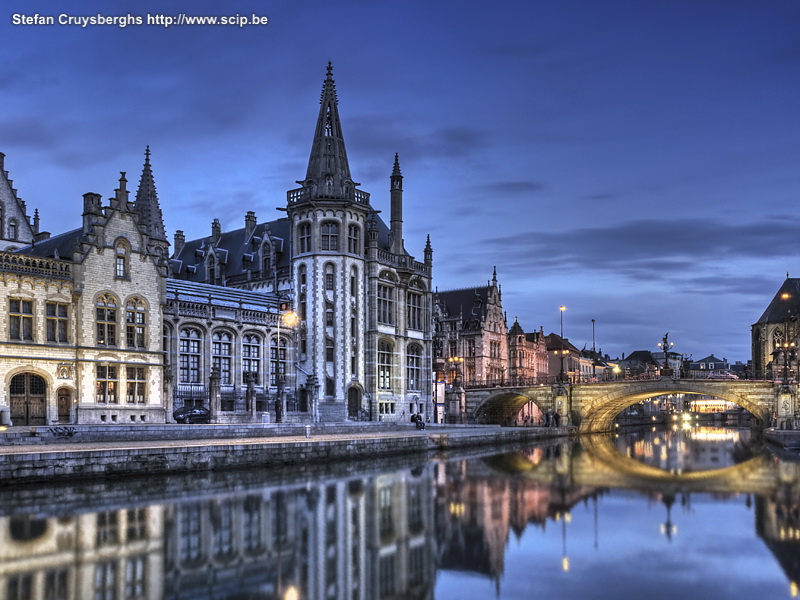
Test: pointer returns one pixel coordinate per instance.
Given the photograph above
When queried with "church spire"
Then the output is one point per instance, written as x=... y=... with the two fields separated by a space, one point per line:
x=328 y=174
x=147 y=206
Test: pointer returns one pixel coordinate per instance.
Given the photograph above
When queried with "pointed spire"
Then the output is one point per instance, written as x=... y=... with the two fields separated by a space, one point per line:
x=146 y=205
x=396 y=170
x=328 y=174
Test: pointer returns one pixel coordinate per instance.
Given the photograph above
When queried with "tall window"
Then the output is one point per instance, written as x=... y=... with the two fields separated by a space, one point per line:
x=251 y=358
x=329 y=236
x=135 y=323
x=121 y=262
x=137 y=384
x=266 y=260
x=413 y=367
x=221 y=355
x=354 y=239
x=189 y=358
x=385 y=304
x=414 y=311
x=277 y=359
x=384 y=365
x=106 y=320
x=57 y=322
x=211 y=270
x=12 y=229
x=304 y=237
x=20 y=315
x=106 y=384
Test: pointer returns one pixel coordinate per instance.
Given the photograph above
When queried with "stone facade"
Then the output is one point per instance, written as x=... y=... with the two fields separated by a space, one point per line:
x=82 y=335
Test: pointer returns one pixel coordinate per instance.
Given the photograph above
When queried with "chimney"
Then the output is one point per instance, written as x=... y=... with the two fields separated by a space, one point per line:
x=180 y=241
x=216 y=231
x=249 y=224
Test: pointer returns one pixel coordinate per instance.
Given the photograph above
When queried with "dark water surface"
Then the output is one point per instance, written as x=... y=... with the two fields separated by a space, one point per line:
x=690 y=513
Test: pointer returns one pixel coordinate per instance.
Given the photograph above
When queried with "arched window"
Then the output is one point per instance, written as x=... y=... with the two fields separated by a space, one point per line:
x=413 y=367
x=354 y=239
x=106 y=316
x=189 y=355
x=329 y=236
x=222 y=355
x=121 y=261
x=304 y=237
x=135 y=323
x=251 y=358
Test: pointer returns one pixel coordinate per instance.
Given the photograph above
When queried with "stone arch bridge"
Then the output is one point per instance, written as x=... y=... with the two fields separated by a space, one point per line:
x=593 y=406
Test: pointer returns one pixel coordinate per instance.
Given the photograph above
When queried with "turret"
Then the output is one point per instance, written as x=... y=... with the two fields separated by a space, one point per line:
x=396 y=194
x=92 y=210
x=428 y=252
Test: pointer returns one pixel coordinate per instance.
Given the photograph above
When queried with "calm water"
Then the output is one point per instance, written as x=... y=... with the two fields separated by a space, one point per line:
x=692 y=513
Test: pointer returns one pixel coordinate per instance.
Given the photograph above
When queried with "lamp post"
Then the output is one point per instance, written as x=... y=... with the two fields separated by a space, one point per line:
x=561 y=373
x=665 y=345
x=289 y=318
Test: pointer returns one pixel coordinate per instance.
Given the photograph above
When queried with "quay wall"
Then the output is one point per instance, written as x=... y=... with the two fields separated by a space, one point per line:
x=71 y=460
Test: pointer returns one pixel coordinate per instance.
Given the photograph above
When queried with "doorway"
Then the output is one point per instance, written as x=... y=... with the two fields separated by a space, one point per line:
x=28 y=395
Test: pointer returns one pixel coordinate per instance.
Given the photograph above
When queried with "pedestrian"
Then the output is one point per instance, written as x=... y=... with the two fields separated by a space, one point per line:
x=557 y=419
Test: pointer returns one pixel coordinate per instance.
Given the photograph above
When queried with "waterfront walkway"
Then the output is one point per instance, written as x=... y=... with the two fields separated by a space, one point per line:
x=47 y=453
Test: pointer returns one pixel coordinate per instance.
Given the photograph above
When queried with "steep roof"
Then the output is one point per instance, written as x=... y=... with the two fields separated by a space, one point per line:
x=785 y=304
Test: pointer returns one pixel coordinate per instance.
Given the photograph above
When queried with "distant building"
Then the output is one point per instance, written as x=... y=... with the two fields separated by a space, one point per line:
x=775 y=334
x=527 y=355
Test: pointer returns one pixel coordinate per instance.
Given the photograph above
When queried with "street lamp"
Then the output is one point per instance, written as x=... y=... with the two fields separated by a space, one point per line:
x=561 y=374
x=288 y=318
x=665 y=345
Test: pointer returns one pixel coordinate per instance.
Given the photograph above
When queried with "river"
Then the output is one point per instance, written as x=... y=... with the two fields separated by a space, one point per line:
x=692 y=513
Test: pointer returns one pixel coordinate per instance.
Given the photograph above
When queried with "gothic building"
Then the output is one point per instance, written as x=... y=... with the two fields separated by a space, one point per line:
x=471 y=334
x=321 y=315
x=361 y=344
x=82 y=336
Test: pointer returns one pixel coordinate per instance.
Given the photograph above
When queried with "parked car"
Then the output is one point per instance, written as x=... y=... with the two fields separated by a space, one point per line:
x=192 y=414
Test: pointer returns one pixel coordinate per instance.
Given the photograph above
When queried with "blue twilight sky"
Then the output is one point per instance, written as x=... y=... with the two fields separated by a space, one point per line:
x=635 y=160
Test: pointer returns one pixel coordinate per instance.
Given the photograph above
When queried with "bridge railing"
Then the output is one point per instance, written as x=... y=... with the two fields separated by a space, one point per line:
x=588 y=379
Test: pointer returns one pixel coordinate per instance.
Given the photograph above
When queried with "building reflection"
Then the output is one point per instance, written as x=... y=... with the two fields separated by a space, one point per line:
x=362 y=534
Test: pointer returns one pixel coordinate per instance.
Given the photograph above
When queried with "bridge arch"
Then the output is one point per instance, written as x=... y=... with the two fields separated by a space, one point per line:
x=504 y=405
x=596 y=405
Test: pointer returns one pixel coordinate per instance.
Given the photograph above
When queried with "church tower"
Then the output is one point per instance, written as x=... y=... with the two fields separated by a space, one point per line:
x=329 y=217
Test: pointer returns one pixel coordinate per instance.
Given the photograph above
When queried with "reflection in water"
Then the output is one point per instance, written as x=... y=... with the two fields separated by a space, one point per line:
x=555 y=520
x=687 y=449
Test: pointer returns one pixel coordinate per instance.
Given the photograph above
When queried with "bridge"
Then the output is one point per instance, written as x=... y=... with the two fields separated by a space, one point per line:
x=593 y=406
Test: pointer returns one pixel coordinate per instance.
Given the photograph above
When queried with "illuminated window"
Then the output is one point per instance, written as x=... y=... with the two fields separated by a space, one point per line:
x=137 y=384
x=106 y=384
